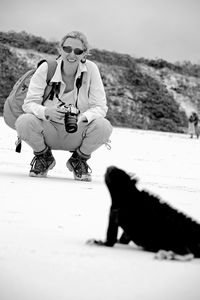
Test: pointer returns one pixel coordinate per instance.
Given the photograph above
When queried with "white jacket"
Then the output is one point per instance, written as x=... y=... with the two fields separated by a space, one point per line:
x=91 y=97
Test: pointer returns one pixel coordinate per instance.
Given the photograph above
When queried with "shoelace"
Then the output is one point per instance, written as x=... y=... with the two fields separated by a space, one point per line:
x=82 y=166
x=40 y=159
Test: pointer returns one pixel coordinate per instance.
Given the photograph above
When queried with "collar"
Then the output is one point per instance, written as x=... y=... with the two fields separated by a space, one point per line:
x=57 y=77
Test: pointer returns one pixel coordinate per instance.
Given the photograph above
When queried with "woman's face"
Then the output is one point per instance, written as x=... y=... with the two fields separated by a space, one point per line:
x=72 y=51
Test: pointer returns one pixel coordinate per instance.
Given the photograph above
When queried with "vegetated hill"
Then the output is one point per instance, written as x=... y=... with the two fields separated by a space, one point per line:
x=141 y=93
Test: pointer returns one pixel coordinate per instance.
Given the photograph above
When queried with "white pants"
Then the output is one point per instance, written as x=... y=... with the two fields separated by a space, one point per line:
x=38 y=133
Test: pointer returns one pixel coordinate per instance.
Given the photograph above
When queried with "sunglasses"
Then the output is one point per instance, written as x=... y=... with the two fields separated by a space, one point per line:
x=69 y=49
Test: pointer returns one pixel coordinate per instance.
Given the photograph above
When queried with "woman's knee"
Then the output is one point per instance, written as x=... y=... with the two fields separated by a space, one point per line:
x=26 y=123
x=102 y=128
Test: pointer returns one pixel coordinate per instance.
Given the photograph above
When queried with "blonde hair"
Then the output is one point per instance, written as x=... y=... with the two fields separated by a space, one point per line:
x=77 y=35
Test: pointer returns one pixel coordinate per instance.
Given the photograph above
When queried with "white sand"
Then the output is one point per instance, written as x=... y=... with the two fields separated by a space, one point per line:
x=45 y=222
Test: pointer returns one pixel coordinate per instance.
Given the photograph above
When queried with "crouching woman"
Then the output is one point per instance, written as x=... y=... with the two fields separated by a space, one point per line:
x=74 y=118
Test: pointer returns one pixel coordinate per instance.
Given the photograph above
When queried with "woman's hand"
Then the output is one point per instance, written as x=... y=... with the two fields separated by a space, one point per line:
x=81 y=118
x=54 y=113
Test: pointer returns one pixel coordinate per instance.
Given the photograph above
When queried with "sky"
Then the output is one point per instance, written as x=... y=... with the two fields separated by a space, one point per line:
x=45 y=222
x=167 y=29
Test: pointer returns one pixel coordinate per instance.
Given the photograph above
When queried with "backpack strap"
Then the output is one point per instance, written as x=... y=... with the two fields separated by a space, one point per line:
x=50 y=88
x=52 y=64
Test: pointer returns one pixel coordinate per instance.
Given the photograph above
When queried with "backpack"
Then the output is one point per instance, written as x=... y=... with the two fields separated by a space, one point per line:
x=13 y=104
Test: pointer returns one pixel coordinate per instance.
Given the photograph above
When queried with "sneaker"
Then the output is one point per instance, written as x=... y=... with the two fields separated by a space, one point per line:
x=42 y=163
x=78 y=165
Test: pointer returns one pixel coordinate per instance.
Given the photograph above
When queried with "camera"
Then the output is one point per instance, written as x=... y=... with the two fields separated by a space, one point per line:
x=70 y=118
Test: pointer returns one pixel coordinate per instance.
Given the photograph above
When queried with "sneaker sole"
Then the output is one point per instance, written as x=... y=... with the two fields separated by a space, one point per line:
x=32 y=174
x=83 y=178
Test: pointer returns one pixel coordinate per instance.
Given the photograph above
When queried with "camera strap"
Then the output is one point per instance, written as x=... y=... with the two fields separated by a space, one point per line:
x=78 y=86
x=56 y=90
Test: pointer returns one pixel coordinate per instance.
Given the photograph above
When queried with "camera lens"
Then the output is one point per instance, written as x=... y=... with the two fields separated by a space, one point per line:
x=70 y=122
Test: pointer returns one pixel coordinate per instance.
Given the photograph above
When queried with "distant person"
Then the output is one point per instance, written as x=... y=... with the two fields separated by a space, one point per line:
x=193 y=127
x=79 y=94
